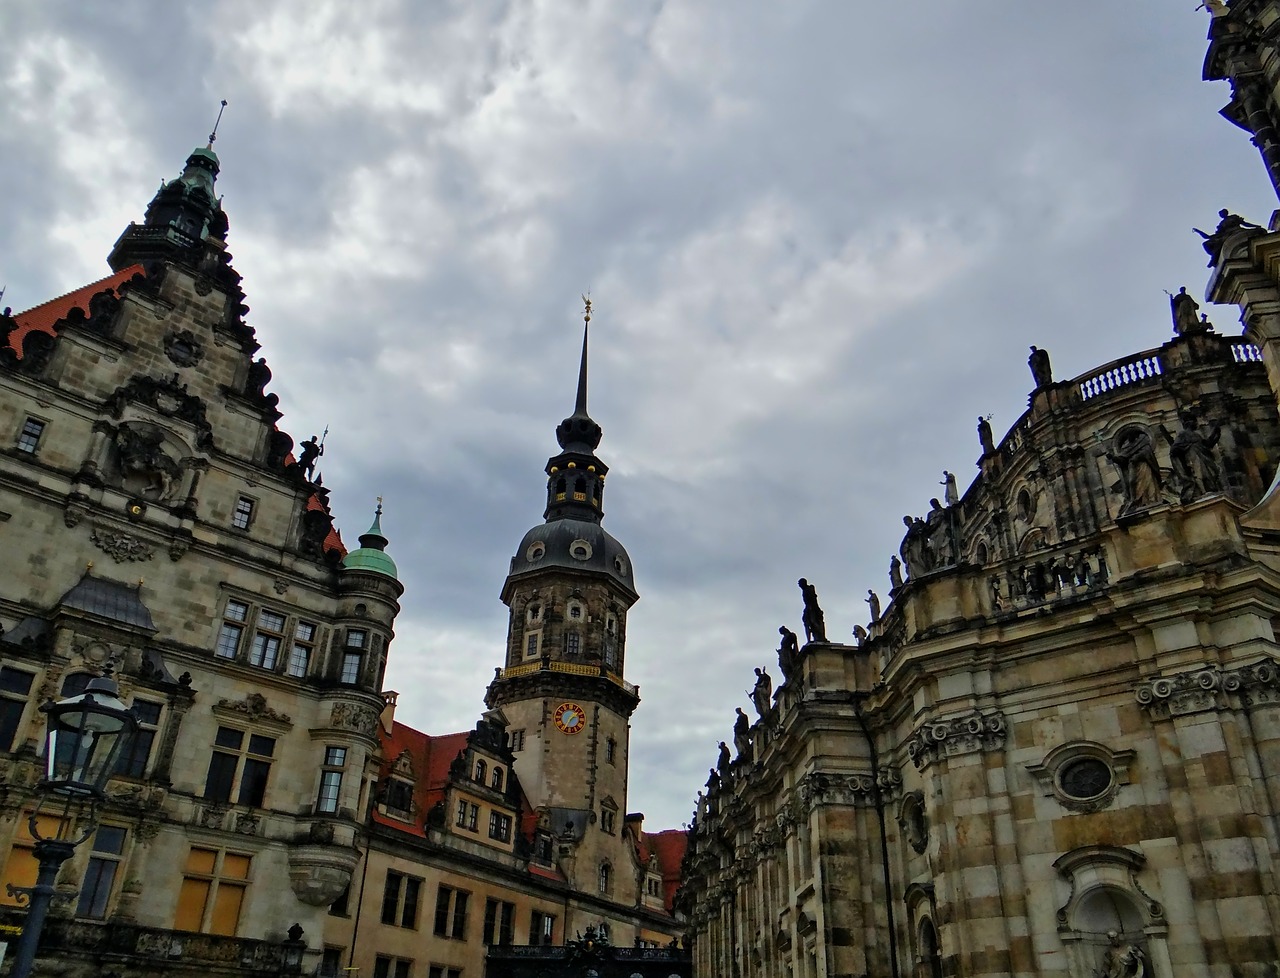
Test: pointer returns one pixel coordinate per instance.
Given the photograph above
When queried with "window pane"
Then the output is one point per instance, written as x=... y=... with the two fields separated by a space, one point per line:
x=351 y=667
x=381 y=967
x=442 y=910
x=356 y=638
x=460 y=915
x=236 y=866
x=226 y=909
x=191 y=902
x=271 y=621
x=264 y=652
x=330 y=785
x=236 y=611
x=15 y=681
x=222 y=773
x=299 y=660
x=409 y=916
x=96 y=888
x=305 y=632
x=109 y=838
x=201 y=861
x=391 y=897
x=253 y=783
x=134 y=763
x=228 y=641
x=264 y=746
x=228 y=737
x=75 y=684
x=402 y=969
x=10 y=717
x=335 y=756
x=146 y=712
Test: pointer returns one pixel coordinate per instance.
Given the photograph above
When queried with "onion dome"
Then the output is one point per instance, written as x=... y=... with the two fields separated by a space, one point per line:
x=371 y=555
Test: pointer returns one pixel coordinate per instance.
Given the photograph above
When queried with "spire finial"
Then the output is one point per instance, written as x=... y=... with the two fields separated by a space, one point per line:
x=580 y=408
x=378 y=511
x=214 y=135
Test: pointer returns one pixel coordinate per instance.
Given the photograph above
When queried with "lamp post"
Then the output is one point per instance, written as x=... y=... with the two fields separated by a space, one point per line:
x=86 y=735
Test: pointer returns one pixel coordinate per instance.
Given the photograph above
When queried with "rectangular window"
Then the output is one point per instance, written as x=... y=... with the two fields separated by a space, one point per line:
x=531 y=645
x=99 y=877
x=335 y=759
x=21 y=867
x=231 y=762
x=341 y=906
x=134 y=763
x=451 y=913
x=610 y=750
x=213 y=889
x=385 y=967
x=331 y=963
x=353 y=655
x=29 y=436
x=517 y=740
x=606 y=820
x=399 y=796
x=242 y=516
x=233 y=619
x=499 y=922
x=541 y=927
x=500 y=826
x=266 y=640
x=304 y=640
x=440 y=971
x=572 y=643
x=400 y=900
x=15 y=685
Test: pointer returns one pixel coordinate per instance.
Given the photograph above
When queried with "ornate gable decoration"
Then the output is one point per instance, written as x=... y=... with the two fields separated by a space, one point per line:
x=253 y=708
x=403 y=765
x=167 y=397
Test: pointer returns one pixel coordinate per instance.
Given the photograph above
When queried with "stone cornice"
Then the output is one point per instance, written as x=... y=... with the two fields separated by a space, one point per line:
x=1209 y=688
x=967 y=733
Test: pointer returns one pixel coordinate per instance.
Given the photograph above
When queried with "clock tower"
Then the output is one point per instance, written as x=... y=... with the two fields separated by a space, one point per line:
x=562 y=688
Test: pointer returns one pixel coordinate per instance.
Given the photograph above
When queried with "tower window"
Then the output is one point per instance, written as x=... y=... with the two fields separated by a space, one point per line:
x=575 y=611
x=606 y=877
x=353 y=656
x=517 y=740
x=606 y=824
x=535 y=612
x=335 y=759
x=480 y=771
x=531 y=644
x=572 y=643
x=611 y=751
x=233 y=619
x=242 y=516
x=29 y=436
x=496 y=781
x=304 y=637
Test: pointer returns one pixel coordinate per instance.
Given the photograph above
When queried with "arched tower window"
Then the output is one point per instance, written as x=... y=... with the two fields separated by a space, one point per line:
x=930 y=957
x=606 y=877
x=481 y=768
x=496 y=783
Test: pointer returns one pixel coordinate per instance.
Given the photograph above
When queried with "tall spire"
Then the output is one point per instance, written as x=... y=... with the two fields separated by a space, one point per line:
x=580 y=408
x=575 y=483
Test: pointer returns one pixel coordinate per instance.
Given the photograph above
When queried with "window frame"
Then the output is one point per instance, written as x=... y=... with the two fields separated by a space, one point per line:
x=13 y=714
x=330 y=786
x=401 y=900
x=499 y=826
x=451 y=913
x=25 y=437
x=245 y=759
x=243 y=512
x=127 y=765
x=217 y=882
x=101 y=874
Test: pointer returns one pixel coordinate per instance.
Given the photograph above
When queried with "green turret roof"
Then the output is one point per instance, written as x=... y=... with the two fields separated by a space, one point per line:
x=371 y=555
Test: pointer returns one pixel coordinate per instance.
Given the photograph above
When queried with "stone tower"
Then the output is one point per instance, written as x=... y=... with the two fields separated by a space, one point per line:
x=561 y=686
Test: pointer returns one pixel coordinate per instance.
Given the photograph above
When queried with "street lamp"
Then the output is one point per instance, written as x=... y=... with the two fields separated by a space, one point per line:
x=86 y=735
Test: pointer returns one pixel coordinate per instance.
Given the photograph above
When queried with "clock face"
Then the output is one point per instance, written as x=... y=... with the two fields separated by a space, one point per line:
x=570 y=718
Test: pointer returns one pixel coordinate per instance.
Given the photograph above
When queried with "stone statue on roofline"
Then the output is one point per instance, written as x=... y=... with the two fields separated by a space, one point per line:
x=1041 y=370
x=950 y=493
x=762 y=692
x=788 y=653
x=1195 y=467
x=895 y=573
x=1228 y=224
x=815 y=626
x=312 y=449
x=1134 y=455
x=873 y=602
x=742 y=734
x=914 y=547
x=1184 y=309
x=985 y=438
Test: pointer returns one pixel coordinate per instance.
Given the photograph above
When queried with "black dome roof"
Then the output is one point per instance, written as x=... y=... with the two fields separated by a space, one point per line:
x=575 y=545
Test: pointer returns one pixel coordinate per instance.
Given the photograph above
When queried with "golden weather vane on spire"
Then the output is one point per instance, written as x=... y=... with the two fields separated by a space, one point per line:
x=586 y=302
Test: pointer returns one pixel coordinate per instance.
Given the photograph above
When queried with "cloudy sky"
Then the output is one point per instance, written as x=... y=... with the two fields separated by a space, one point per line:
x=820 y=236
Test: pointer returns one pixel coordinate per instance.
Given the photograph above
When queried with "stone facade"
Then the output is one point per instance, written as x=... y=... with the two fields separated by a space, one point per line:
x=1063 y=725
x=154 y=523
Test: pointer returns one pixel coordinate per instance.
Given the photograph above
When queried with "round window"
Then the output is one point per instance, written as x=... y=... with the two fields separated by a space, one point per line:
x=580 y=550
x=535 y=551
x=620 y=566
x=1085 y=778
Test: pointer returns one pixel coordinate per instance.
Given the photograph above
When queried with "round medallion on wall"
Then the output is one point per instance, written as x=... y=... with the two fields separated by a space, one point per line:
x=570 y=718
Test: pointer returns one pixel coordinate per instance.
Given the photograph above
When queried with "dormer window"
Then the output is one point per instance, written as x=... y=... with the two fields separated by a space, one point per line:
x=481 y=768
x=399 y=796
x=496 y=782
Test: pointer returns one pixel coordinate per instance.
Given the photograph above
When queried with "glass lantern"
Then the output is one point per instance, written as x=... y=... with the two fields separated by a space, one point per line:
x=87 y=734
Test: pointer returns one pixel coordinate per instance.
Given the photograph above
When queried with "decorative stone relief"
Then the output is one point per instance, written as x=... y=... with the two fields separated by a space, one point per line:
x=246 y=823
x=353 y=716
x=836 y=789
x=182 y=347
x=255 y=707
x=936 y=740
x=120 y=547
x=1198 y=691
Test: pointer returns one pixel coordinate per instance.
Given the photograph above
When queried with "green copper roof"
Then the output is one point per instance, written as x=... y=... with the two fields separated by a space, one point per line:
x=372 y=553
x=369 y=559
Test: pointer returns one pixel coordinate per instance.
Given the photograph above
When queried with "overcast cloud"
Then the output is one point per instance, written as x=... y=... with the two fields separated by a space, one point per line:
x=819 y=236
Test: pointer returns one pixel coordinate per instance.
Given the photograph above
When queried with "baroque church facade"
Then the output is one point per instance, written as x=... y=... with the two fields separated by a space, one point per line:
x=1056 y=750
x=273 y=816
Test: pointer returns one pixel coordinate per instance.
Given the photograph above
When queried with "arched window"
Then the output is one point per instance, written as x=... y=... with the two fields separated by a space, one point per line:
x=930 y=954
x=497 y=779
x=606 y=874
x=481 y=768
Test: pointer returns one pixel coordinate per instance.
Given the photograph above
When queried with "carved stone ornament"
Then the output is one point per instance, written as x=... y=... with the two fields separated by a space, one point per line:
x=254 y=706
x=969 y=733
x=1208 y=688
x=246 y=823
x=120 y=547
x=352 y=716
x=836 y=789
x=146 y=469
x=168 y=397
x=182 y=347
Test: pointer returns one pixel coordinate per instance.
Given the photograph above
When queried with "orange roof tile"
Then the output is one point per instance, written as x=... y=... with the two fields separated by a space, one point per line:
x=45 y=317
x=670 y=846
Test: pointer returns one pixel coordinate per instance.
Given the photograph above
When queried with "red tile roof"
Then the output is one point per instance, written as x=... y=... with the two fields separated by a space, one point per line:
x=334 y=540
x=670 y=846
x=45 y=317
x=431 y=757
